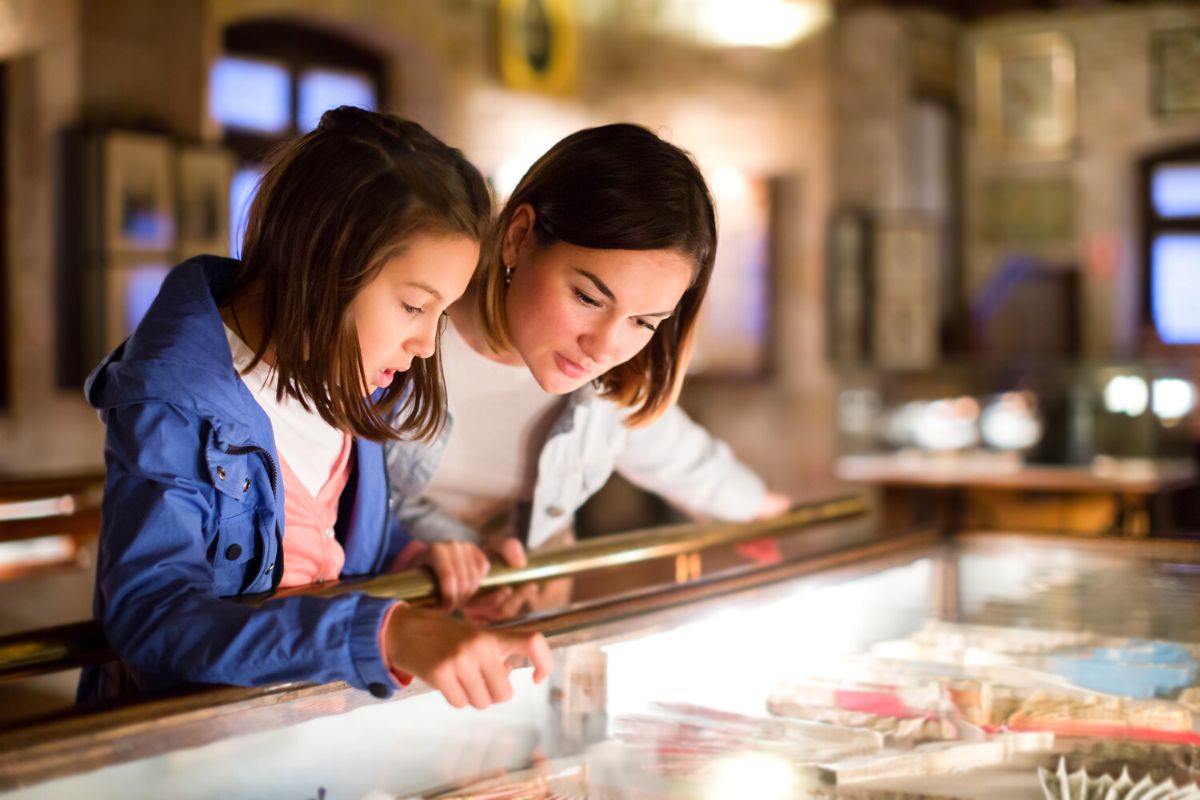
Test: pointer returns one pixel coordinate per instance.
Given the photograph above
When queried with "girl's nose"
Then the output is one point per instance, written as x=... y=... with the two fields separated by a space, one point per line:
x=424 y=343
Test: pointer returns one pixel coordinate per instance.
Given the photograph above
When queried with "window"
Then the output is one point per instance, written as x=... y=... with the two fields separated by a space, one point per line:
x=1171 y=245
x=274 y=82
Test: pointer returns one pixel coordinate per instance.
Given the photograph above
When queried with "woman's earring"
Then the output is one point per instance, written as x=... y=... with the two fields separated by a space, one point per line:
x=507 y=275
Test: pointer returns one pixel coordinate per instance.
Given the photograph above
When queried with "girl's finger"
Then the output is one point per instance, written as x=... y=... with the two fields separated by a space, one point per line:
x=495 y=674
x=474 y=684
x=532 y=646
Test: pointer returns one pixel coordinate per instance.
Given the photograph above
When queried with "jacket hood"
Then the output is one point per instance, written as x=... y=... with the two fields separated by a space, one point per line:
x=179 y=354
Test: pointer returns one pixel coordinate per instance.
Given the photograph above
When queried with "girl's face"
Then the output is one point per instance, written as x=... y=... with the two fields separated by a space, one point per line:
x=574 y=313
x=397 y=313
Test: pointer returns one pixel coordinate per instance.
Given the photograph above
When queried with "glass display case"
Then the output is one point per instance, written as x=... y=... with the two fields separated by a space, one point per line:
x=831 y=662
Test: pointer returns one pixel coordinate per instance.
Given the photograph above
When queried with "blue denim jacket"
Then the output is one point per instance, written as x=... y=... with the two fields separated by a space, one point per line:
x=193 y=513
x=673 y=457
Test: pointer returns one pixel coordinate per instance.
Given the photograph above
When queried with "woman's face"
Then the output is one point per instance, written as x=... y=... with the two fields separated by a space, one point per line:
x=397 y=313
x=574 y=313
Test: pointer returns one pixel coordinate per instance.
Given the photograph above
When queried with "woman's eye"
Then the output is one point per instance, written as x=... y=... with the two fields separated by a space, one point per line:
x=643 y=323
x=412 y=309
x=587 y=300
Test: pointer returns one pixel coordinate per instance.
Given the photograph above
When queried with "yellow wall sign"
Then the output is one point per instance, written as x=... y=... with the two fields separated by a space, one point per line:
x=538 y=45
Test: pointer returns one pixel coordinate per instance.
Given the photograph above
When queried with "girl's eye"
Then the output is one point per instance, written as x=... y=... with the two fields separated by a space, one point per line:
x=643 y=323
x=412 y=309
x=587 y=300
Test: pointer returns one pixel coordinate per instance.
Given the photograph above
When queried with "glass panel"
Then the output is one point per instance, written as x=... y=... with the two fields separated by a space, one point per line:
x=250 y=94
x=1175 y=190
x=322 y=89
x=947 y=675
x=242 y=189
x=1175 y=287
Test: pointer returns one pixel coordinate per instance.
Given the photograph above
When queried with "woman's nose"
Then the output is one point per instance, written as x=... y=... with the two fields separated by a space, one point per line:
x=602 y=344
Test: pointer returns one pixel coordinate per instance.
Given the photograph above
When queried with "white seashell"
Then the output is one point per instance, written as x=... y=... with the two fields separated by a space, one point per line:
x=1140 y=789
x=1120 y=787
x=1049 y=782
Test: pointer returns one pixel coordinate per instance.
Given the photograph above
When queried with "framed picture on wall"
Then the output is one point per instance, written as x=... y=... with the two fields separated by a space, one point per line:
x=1025 y=95
x=129 y=287
x=906 y=312
x=1176 y=72
x=203 y=178
x=848 y=287
x=139 y=193
x=538 y=42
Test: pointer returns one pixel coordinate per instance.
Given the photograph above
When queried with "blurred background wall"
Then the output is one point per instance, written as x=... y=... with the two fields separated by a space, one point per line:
x=919 y=200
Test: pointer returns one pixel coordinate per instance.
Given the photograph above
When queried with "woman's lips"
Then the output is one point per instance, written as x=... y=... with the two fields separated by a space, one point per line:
x=384 y=379
x=569 y=368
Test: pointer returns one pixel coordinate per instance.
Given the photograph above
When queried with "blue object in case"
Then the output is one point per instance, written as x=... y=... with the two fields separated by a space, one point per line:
x=1140 y=669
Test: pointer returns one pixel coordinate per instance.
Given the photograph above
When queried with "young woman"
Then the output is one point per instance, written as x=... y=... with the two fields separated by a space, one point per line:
x=564 y=358
x=245 y=418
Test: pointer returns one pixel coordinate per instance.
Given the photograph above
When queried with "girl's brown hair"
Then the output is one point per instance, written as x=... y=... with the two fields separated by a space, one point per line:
x=333 y=208
x=616 y=187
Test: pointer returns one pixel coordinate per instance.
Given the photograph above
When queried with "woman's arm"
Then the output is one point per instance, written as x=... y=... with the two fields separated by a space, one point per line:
x=678 y=459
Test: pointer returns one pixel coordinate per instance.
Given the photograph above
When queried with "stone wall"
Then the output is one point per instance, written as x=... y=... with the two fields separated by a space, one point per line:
x=144 y=63
x=1116 y=127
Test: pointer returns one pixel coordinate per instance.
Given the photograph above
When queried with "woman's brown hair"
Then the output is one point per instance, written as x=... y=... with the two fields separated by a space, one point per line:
x=333 y=208
x=616 y=187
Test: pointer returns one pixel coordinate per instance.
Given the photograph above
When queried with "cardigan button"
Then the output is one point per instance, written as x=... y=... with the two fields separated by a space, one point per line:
x=221 y=473
x=378 y=690
x=233 y=551
x=246 y=485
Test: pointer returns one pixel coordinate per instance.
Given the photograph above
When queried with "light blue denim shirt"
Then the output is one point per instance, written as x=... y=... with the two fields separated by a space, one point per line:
x=672 y=457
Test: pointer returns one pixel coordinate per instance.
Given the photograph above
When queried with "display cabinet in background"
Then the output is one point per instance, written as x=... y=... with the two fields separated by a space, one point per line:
x=1093 y=448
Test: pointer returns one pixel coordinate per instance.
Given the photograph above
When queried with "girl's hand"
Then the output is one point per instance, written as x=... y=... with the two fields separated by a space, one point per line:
x=468 y=665
x=460 y=568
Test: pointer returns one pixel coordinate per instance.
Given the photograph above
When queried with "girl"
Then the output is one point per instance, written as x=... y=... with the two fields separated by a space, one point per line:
x=243 y=455
x=564 y=358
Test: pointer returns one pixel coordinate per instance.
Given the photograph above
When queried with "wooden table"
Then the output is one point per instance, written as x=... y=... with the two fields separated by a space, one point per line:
x=1114 y=497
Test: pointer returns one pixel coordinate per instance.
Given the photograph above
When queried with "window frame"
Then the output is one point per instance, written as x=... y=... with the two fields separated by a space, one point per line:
x=298 y=48
x=1154 y=225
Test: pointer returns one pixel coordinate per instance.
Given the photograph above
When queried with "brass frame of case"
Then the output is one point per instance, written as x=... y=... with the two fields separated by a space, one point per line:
x=81 y=643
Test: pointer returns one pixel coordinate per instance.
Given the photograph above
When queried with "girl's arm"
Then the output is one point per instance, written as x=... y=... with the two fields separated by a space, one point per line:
x=681 y=461
x=156 y=580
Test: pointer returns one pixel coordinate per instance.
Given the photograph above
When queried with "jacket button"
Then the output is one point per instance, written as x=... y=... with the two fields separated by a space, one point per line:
x=233 y=551
x=270 y=567
x=246 y=485
x=221 y=473
x=554 y=511
x=378 y=690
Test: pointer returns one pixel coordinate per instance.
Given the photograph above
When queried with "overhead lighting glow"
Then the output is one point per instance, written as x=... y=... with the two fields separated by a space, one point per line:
x=759 y=775
x=745 y=23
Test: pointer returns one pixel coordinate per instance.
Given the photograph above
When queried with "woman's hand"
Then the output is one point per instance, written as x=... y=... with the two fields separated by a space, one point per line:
x=459 y=567
x=774 y=504
x=508 y=549
x=468 y=665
